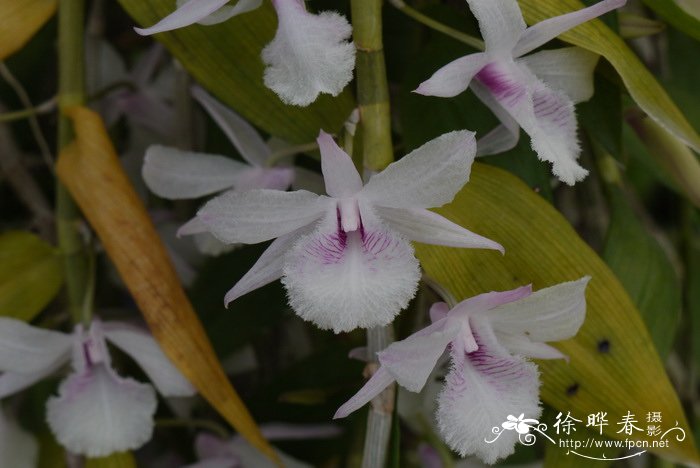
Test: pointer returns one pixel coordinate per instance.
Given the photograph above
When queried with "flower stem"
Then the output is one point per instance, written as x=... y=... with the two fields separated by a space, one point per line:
x=372 y=87
x=377 y=153
x=71 y=93
x=438 y=26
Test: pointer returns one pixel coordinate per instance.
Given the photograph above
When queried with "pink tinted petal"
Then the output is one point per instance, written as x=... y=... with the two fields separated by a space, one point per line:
x=487 y=301
x=546 y=30
x=425 y=226
x=189 y=13
x=505 y=136
x=97 y=413
x=506 y=83
x=241 y=134
x=501 y=23
x=374 y=386
x=267 y=269
x=359 y=353
x=453 y=78
x=481 y=390
x=332 y=277
x=339 y=172
x=438 y=311
x=193 y=226
x=210 y=446
x=410 y=361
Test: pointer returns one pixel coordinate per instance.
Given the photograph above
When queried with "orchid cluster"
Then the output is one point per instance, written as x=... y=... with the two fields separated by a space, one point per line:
x=341 y=245
x=345 y=257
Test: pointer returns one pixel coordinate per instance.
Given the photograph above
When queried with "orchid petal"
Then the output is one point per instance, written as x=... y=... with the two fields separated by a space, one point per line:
x=241 y=134
x=210 y=446
x=453 y=78
x=148 y=110
x=193 y=226
x=550 y=314
x=339 y=172
x=568 y=70
x=490 y=300
x=176 y=174
x=284 y=431
x=521 y=345
x=505 y=136
x=546 y=115
x=546 y=30
x=259 y=215
x=411 y=360
x=27 y=350
x=374 y=386
x=424 y=226
x=310 y=54
x=97 y=413
x=18 y=448
x=333 y=277
x=227 y=12
x=185 y=15
x=481 y=390
x=438 y=311
x=273 y=178
x=267 y=269
x=207 y=244
x=501 y=23
x=429 y=176
x=143 y=349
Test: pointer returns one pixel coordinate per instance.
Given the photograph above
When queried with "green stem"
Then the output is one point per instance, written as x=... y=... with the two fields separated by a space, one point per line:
x=71 y=93
x=438 y=26
x=377 y=153
x=43 y=108
x=372 y=87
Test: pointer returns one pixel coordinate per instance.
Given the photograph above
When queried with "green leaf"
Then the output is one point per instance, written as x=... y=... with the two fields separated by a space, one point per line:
x=613 y=366
x=225 y=59
x=642 y=85
x=676 y=16
x=116 y=460
x=644 y=269
x=30 y=274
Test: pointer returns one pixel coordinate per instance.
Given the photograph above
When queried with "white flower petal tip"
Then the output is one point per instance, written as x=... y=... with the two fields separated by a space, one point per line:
x=186 y=14
x=341 y=281
x=98 y=413
x=310 y=54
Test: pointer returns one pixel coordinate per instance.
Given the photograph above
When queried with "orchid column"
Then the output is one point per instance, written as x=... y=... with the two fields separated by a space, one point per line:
x=377 y=153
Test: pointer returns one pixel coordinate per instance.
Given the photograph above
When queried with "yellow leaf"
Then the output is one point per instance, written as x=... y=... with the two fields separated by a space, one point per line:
x=21 y=19
x=89 y=167
x=30 y=274
x=613 y=364
x=643 y=87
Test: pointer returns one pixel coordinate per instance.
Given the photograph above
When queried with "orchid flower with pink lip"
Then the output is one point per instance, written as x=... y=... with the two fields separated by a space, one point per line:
x=536 y=92
x=345 y=259
x=309 y=55
x=214 y=452
x=176 y=174
x=489 y=338
x=96 y=412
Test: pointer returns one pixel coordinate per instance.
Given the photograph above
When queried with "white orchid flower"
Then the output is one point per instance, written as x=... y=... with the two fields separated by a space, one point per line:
x=96 y=412
x=309 y=55
x=18 y=448
x=176 y=174
x=345 y=259
x=536 y=92
x=489 y=338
